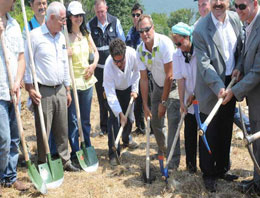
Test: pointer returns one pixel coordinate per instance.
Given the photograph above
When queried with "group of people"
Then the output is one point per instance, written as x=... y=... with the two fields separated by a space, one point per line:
x=209 y=54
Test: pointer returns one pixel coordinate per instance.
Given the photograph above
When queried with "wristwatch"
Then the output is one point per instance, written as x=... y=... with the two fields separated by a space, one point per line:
x=164 y=103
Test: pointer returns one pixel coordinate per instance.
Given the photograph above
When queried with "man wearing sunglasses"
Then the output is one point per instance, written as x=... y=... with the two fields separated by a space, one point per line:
x=155 y=55
x=217 y=42
x=104 y=28
x=133 y=39
x=121 y=80
x=249 y=86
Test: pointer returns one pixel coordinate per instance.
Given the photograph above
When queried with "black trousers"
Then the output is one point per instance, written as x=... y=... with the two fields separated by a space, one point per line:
x=219 y=134
x=139 y=113
x=123 y=97
x=190 y=136
x=103 y=112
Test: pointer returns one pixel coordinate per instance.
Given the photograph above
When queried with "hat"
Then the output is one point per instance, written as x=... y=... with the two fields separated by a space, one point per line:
x=75 y=8
x=182 y=29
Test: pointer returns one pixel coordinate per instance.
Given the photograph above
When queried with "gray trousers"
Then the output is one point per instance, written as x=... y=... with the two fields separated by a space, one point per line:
x=255 y=127
x=54 y=107
x=158 y=125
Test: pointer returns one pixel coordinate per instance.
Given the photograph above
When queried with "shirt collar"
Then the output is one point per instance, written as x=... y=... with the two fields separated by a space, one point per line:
x=249 y=27
x=100 y=24
x=45 y=30
x=10 y=20
x=217 y=22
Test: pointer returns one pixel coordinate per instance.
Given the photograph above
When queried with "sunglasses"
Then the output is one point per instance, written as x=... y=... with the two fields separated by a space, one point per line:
x=146 y=29
x=136 y=15
x=78 y=15
x=119 y=61
x=240 y=6
x=178 y=44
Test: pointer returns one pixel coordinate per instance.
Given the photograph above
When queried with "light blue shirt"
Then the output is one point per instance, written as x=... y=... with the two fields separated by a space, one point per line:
x=50 y=58
x=14 y=44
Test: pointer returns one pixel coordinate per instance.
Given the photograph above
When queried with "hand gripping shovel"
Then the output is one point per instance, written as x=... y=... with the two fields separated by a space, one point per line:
x=203 y=126
x=87 y=157
x=148 y=178
x=32 y=171
x=52 y=171
x=122 y=126
x=248 y=139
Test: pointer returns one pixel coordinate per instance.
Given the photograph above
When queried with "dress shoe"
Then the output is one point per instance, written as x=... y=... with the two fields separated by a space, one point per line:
x=228 y=177
x=131 y=145
x=71 y=168
x=210 y=184
x=246 y=186
x=113 y=162
x=18 y=185
x=139 y=131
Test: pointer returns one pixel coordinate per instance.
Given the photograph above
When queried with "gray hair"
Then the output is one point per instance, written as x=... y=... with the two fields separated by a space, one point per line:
x=97 y=2
x=54 y=9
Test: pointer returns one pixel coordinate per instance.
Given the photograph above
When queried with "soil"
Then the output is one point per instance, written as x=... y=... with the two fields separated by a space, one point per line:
x=126 y=180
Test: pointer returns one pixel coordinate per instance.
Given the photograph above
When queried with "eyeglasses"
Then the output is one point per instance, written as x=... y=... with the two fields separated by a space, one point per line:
x=146 y=29
x=62 y=20
x=119 y=61
x=78 y=15
x=136 y=15
x=178 y=44
x=240 y=6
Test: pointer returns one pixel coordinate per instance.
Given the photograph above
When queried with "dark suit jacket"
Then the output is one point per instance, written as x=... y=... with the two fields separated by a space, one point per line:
x=249 y=86
x=210 y=62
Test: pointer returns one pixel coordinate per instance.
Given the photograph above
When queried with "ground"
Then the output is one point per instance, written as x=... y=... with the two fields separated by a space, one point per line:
x=126 y=180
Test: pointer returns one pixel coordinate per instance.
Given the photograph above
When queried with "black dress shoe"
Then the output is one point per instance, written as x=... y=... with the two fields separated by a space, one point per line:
x=71 y=168
x=246 y=186
x=210 y=184
x=228 y=177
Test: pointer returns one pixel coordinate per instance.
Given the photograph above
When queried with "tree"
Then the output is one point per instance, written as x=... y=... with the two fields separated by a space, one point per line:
x=182 y=15
x=160 y=23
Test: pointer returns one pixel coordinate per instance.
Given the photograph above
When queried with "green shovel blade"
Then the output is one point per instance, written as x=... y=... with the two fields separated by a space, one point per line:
x=36 y=178
x=87 y=158
x=52 y=172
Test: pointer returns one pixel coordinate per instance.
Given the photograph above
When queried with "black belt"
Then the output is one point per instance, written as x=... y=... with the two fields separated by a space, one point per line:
x=49 y=86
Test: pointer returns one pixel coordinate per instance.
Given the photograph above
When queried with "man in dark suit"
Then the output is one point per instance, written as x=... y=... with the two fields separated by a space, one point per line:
x=249 y=86
x=217 y=43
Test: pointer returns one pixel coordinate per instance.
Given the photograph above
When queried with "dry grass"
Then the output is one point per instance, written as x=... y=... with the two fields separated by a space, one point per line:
x=126 y=180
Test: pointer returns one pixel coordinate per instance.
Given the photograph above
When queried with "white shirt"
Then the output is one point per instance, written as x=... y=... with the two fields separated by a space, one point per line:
x=50 y=58
x=116 y=79
x=187 y=71
x=229 y=42
x=14 y=43
x=163 y=50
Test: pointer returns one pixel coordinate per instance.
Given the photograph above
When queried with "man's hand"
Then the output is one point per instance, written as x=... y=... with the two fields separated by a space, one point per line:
x=236 y=74
x=161 y=110
x=123 y=119
x=183 y=108
x=228 y=97
x=69 y=99
x=16 y=91
x=134 y=95
x=221 y=93
x=89 y=71
x=147 y=112
x=36 y=98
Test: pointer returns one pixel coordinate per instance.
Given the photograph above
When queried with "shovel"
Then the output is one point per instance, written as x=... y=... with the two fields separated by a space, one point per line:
x=52 y=171
x=148 y=178
x=32 y=171
x=122 y=126
x=87 y=157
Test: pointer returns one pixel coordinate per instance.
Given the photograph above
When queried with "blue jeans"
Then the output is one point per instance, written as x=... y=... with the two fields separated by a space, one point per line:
x=85 y=99
x=9 y=143
x=238 y=122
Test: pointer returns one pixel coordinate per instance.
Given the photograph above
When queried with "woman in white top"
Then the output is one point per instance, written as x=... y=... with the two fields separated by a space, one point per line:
x=184 y=71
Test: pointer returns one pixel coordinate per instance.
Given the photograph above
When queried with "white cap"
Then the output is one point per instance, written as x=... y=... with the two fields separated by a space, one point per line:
x=75 y=8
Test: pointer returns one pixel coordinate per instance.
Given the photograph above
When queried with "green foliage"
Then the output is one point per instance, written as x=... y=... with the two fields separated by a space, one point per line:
x=181 y=15
x=18 y=15
x=160 y=23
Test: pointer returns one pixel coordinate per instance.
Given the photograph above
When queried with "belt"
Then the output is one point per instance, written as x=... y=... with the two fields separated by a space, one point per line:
x=49 y=86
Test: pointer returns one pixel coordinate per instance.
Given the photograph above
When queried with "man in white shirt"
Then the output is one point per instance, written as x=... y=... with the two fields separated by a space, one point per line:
x=121 y=79
x=52 y=71
x=217 y=42
x=9 y=135
x=103 y=28
x=155 y=54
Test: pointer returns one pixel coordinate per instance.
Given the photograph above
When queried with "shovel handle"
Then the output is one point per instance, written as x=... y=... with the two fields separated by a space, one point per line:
x=14 y=99
x=217 y=105
x=122 y=126
x=32 y=65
